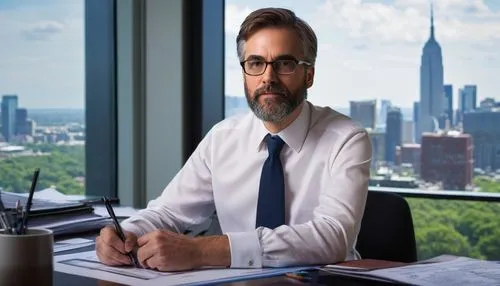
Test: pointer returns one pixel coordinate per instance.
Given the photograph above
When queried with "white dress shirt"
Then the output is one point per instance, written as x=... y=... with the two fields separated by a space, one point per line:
x=326 y=161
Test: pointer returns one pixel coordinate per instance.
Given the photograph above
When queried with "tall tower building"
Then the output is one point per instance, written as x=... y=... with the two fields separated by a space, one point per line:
x=431 y=84
x=416 y=121
x=384 y=108
x=393 y=136
x=21 y=121
x=448 y=102
x=468 y=98
x=9 y=107
x=364 y=112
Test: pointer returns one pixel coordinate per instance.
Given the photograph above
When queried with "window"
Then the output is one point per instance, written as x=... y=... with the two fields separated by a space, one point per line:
x=42 y=95
x=57 y=79
x=425 y=79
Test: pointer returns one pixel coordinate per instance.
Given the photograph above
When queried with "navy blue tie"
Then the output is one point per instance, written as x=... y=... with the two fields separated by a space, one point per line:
x=271 y=203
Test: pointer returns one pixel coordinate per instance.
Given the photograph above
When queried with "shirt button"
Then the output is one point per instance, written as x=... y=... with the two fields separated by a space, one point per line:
x=250 y=263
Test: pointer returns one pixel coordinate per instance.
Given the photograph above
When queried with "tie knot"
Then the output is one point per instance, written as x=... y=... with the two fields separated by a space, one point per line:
x=274 y=144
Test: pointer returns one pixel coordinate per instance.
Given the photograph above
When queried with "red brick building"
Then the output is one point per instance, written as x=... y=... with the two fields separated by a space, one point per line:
x=411 y=154
x=447 y=158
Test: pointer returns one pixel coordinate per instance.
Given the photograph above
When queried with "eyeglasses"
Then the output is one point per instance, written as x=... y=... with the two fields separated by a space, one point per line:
x=258 y=67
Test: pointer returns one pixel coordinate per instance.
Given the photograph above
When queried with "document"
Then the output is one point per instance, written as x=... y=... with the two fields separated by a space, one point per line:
x=440 y=271
x=459 y=271
x=87 y=264
x=72 y=243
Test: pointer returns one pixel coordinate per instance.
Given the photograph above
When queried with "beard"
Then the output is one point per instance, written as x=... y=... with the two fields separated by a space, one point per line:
x=276 y=109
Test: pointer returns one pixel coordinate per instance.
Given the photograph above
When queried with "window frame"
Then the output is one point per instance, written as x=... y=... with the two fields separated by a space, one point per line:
x=100 y=98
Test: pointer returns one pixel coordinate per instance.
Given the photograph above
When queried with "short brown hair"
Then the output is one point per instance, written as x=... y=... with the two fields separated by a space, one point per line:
x=278 y=17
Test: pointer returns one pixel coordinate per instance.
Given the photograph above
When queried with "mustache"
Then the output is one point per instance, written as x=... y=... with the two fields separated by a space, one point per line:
x=271 y=89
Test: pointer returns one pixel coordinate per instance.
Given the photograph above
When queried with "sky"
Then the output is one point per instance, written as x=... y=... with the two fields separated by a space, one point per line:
x=42 y=52
x=367 y=49
x=372 y=49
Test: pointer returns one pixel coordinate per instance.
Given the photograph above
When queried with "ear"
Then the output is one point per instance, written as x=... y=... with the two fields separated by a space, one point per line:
x=309 y=77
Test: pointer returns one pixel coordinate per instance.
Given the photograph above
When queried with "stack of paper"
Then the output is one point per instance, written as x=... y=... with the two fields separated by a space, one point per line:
x=439 y=271
x=72 y=243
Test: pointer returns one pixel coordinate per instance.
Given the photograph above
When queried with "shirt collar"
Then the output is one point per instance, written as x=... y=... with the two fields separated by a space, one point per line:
x=294 y=135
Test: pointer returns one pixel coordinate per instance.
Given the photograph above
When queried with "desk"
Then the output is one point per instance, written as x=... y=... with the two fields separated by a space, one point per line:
x=64 y=279
x=73 y=280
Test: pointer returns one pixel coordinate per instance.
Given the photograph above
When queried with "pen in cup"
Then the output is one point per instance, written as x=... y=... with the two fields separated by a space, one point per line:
x=5 y=221
x=118 y=228
x=29 y=202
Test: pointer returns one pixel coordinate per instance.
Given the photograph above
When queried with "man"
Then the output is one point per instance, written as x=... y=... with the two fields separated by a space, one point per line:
x=288 y=181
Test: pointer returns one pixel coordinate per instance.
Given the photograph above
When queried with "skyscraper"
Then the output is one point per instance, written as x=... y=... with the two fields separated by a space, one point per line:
x=9 y=107
x=447 y=158
x=482 y=125
x=416 y=121
x=21 y=121
x=384 y=107
x=431 y=84
x=393 y=136
x=468 y=98
x=448 y=102
x=364 y=112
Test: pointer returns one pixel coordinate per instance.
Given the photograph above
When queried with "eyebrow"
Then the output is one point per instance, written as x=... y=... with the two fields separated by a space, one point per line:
x=280 y=57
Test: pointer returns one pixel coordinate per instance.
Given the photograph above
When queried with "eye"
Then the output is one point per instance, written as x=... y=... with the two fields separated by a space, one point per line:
x=255 y=64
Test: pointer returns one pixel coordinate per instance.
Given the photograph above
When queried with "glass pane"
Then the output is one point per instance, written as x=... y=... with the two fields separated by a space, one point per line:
x=456 y=227
x=42 y=95
x=425 y=85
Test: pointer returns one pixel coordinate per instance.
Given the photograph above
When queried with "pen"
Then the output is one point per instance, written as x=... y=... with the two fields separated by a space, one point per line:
x=24 y=223
x=3 y=216
x=2 y=207
x=118 y=228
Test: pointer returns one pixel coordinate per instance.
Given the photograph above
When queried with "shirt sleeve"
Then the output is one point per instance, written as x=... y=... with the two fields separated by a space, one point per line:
x=333 y=231
x=187 y=200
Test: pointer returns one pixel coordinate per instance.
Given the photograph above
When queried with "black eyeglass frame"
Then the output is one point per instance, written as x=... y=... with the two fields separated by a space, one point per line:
x=297 y=62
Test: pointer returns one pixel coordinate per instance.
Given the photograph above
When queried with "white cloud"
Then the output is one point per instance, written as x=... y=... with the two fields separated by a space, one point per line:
x=43 y=30
x=408 y=20
x=234 y=16
x=452 y=6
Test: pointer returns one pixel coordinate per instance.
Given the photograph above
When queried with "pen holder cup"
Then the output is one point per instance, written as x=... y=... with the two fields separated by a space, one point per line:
x=26 y=259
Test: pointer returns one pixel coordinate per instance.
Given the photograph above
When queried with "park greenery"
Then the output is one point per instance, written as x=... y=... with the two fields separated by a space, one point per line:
x=456 y=227
x=60 y=166
x=441 y=226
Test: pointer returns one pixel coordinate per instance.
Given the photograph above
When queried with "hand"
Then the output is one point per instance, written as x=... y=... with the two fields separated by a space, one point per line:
x=110 y=248
x=167 y=251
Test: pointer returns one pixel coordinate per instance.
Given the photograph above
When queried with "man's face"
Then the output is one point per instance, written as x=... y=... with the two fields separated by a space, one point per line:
x=272 y=96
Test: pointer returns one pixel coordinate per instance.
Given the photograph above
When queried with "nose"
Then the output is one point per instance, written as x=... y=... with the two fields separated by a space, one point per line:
x=269 y=76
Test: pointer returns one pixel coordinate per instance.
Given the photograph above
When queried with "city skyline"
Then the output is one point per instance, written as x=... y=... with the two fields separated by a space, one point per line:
x=367 y=49
x=372 y=49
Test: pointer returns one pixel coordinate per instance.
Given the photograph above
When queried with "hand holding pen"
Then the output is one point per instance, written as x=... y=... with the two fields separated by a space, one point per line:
x=106 y=245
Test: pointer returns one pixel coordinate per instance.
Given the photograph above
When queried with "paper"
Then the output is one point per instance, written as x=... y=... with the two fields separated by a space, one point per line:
x=459 y=271
x=120 y=211
x=87 y=264
x=70 y=244
x=439 y=271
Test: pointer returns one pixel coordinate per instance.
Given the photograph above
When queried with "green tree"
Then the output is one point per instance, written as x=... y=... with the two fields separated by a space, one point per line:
x=59 y=169
x=439 y=239
x=455 y=227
